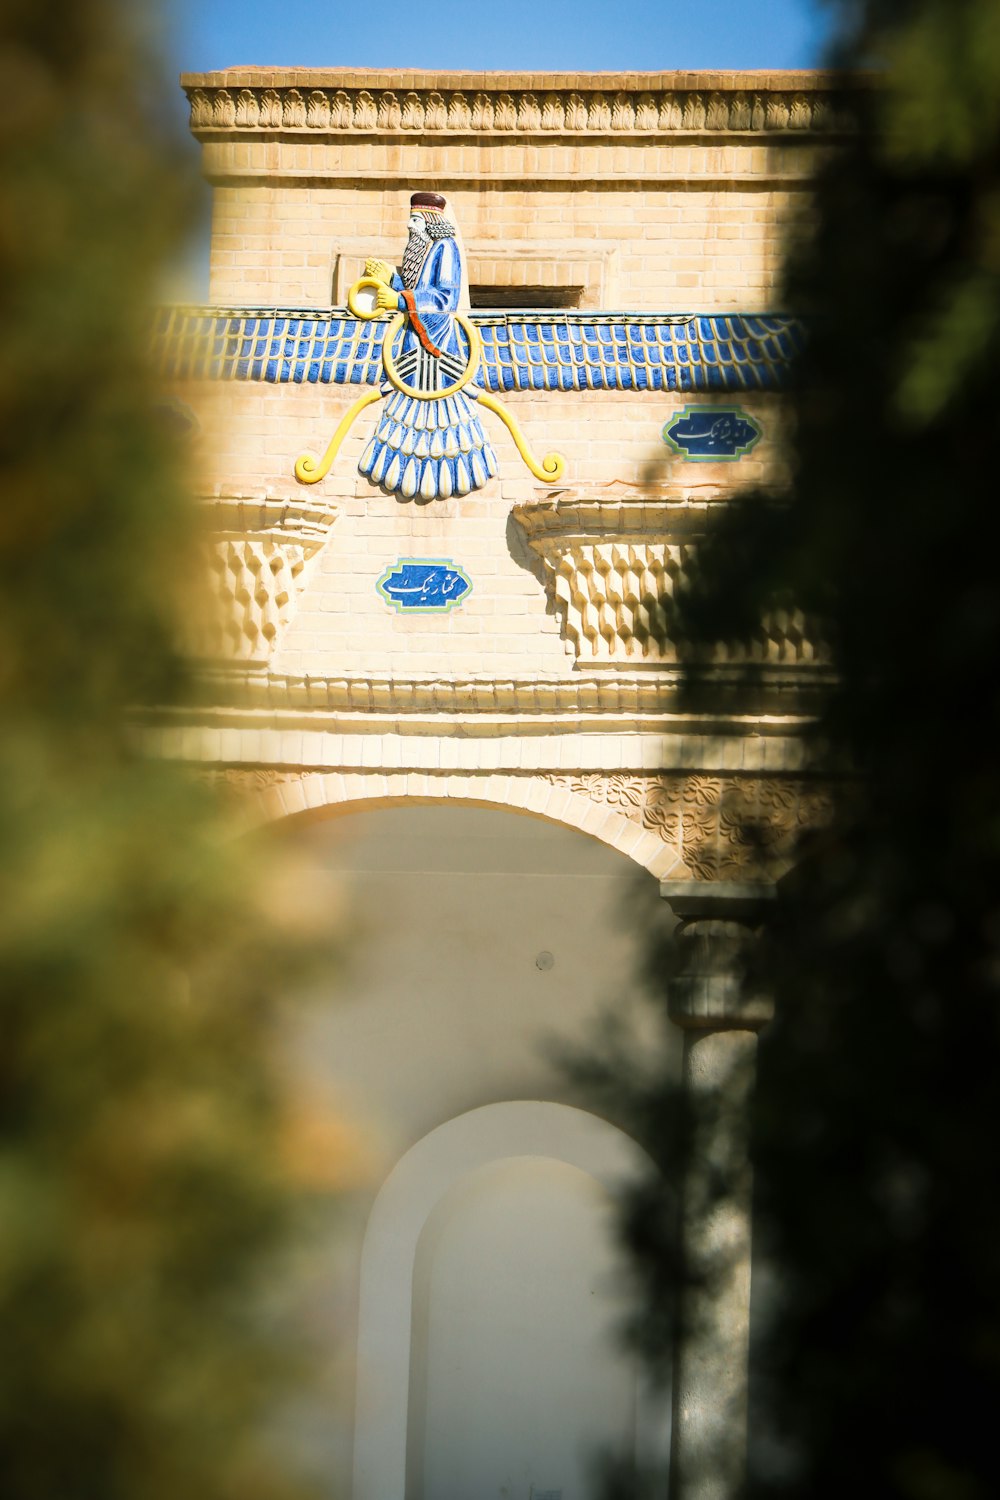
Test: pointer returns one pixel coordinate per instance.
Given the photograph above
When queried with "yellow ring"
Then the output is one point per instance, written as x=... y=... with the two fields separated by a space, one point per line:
x=359 y=286
x=388 y=364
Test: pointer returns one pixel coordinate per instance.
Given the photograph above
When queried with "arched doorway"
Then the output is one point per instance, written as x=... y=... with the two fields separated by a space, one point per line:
x=483 y=937
x=517 y=1379
x=489 y=1358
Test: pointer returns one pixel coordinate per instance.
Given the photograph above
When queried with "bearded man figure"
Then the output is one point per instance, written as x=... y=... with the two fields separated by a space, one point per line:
x=426 y=445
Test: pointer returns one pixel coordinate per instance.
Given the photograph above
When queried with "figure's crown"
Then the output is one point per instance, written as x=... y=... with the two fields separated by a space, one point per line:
x=427 y=200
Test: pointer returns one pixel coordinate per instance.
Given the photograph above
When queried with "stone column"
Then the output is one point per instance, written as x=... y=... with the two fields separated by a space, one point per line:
x=720 y=1007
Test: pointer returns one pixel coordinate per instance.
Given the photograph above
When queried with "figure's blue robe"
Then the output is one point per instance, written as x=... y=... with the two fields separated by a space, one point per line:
x=436 y=447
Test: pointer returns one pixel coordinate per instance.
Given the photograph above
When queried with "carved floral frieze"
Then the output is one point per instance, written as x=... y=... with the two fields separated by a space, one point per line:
x=724 y=827
x=527 y=111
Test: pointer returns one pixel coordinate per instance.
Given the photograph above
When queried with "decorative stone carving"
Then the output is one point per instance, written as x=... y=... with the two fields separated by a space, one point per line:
x=576 y=113
x=482 y=112
x=318 y=109
x=247 y=108
x=640 y=699
x=800 y=116
x=390 y=113
x=694 y=112
x=505 y=113
x=413 y=112
x=647 y=115
x=258 y=554
x=717 y=114
x=671 y=112
x=435 y=114
x=201 y=108
x=365 y=113
x=667 y=110
x=553 y=112
x=293 y=109
x=612 y=568
x=622 y=112
x=599 y=113
x=341 y=111
x=246 y=781
x=739 y=112
x=223 y=110
x=529 y=114
x=738 y=828
x=459 y=112
x=777 y=112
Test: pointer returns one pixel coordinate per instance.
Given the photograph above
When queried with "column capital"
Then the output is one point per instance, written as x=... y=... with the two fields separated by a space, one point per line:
x=717 y=985
x=747 y=902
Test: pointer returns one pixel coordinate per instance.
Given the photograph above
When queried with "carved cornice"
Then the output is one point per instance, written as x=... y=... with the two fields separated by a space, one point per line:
x=635 y=700
x=318 y=102
x=293 y=518
x=612 y=570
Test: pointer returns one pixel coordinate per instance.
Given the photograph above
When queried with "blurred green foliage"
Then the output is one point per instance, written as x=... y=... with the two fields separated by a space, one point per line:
x=154 y=1162
x=877 y=1131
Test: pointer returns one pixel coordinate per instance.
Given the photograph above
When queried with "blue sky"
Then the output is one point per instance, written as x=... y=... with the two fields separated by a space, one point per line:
x=508 y=34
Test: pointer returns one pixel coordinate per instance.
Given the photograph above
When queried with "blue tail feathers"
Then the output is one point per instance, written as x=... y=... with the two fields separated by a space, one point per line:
x=431 y=449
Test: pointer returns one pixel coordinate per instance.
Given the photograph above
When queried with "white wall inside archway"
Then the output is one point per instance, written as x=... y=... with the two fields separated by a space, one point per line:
x=516 y=1380
x=481 y=938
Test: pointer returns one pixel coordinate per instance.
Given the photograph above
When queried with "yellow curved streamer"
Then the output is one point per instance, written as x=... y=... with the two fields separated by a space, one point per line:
x=309 y=470
x=389 y=365
x=553 y=465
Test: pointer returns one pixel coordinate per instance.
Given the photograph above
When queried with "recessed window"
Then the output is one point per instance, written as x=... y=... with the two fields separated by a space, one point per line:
x=525 y=297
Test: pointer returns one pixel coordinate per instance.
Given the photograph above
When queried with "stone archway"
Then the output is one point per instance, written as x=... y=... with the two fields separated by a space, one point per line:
x=488 y=940
x=275 y=794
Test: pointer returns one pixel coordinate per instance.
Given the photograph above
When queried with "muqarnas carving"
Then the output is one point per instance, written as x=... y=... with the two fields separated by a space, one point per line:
x=612 y=569
x=257 y=555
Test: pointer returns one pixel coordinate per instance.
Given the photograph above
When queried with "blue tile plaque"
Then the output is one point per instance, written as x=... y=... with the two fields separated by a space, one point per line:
x=424 y=585
x=712 y=434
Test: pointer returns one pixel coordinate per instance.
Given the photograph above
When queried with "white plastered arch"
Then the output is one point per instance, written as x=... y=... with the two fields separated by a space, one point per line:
x=416 y=1185
x=320 y=793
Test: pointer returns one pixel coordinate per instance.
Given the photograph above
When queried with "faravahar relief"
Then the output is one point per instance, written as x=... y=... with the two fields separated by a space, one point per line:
x=429 y=443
